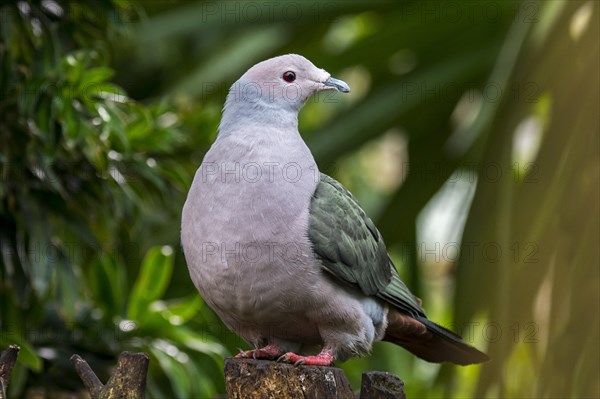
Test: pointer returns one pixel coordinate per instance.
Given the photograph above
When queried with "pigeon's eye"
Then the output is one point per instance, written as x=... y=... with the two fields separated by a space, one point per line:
x=289 y=76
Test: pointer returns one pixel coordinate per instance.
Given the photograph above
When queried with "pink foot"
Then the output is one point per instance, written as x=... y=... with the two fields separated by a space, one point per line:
x=325 y=358
x=268 y=352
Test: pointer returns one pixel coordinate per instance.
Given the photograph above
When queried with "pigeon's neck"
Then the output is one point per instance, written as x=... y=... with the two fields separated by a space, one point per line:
x=259 y=114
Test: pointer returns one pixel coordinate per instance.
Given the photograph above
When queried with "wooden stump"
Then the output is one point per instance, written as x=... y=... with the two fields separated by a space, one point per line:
x=264 y=379
x=128 y=380
x=381 y=385
x=7 y=362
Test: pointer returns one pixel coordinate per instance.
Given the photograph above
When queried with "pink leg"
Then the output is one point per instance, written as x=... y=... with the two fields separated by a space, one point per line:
x=325 y=358
x=268 y=352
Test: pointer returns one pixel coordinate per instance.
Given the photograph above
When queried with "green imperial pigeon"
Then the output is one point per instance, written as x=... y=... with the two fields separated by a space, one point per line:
x=284 y=254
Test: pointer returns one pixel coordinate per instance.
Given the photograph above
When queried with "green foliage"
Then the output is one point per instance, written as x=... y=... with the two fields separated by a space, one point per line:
x=83 y=180
x=152 y=281
x=107 y=108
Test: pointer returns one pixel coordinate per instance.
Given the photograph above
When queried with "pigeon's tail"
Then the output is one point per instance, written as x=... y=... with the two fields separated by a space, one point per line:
x=437 y=344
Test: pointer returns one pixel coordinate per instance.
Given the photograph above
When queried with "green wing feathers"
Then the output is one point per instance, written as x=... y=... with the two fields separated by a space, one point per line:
x=351 y=249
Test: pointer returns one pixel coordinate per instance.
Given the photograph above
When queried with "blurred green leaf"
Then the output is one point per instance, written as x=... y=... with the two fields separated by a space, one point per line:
x=96 y=75
x=152 y=281
x=179 y=378
x=184 y=309
x=108 y=283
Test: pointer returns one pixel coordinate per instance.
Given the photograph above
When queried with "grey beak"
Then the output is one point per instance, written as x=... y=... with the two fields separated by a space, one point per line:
x=337 y=84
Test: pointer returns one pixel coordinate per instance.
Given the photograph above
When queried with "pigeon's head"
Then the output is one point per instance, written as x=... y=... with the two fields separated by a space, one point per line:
x=284 y=82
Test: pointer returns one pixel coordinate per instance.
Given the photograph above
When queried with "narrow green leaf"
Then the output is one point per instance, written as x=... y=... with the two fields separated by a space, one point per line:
x=96 y=75
x=152 y=280
x=108 y=283
x=163 y=351
x=182 y=310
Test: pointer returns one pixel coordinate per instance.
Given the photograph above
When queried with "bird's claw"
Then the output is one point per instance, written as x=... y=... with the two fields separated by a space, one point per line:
x=241 y=353
x=290 y=358
x=282 y=359
x=268 y=352
x=322 y=359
